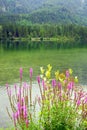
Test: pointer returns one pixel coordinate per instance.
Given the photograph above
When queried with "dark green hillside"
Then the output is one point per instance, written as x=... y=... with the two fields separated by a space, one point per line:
x=58 y=15
x=44 y=11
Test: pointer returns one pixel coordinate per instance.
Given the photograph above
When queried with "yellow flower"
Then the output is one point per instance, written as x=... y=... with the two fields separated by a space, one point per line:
x=49 y=67
x=48 y=74
x=76 y=79
x=42 y=70
x=61 y=77
x=70 y=71
x=57 y=75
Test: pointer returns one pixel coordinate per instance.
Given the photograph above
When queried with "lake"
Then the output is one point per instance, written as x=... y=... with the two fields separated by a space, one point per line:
x=12 y=59
x=61 y=59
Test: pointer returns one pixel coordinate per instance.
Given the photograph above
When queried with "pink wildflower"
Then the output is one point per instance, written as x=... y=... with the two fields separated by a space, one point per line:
x=38 y=79
x=17 y=115
x=22 y=100
x=70 y=85
x=78 y=102
x=25 y=85
x=31 y=72
x=19 y=107
x=59 y=85
x=44 y=86
x=53 y=82
x=67 y=73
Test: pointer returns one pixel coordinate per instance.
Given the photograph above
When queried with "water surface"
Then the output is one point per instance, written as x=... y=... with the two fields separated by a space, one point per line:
x=61 y=59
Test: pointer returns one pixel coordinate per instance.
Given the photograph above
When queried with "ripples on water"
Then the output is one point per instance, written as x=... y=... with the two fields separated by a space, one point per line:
x=4 y=119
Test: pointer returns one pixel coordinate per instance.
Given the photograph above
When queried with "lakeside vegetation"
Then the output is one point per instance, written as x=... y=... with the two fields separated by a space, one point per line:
x=62 y=105
x=69 y=34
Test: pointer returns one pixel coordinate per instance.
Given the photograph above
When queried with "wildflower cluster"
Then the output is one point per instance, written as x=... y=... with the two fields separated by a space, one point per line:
x=21 y=102
x=63 y=103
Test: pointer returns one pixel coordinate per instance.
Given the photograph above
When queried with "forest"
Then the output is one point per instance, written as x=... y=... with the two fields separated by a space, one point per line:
x=44 y=31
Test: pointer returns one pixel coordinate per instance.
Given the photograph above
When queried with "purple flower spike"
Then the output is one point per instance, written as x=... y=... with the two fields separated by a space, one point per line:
x=16 y=115
x=22 y=100
x=53 y=82
x=31 y=72
x=67 y=74
x=59 y=85
x=70 y=85
x=24 y=85
x=38 y=79
x=78 y=102
x=44 y=85
x=19 y=107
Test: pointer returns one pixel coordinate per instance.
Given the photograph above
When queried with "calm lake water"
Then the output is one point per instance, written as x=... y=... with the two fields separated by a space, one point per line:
x=12 y=58
x=61 y=59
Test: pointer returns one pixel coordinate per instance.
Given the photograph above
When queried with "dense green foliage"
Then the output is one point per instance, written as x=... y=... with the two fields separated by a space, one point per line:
x=69 y=34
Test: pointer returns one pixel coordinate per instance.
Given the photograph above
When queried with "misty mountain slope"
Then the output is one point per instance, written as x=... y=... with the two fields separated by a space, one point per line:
x=19 y=6
x=47 y=11
x=65 y=11
x=14 y=6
